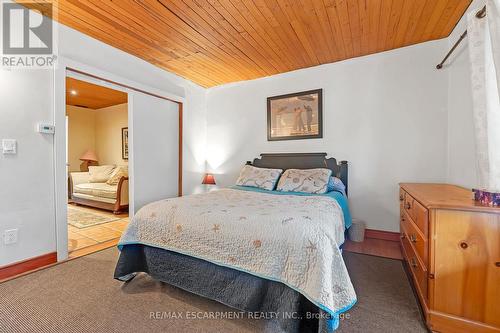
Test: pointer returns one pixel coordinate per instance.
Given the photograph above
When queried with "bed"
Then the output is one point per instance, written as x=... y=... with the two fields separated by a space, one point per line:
x=276 y=254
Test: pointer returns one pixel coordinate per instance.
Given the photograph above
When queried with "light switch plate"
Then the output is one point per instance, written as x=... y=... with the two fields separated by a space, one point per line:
x=9 y=146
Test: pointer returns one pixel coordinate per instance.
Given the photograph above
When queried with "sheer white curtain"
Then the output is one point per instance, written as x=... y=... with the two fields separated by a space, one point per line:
x=484 y=49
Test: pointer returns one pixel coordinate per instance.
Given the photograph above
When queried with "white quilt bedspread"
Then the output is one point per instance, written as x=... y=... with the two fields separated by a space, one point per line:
x=286 y=238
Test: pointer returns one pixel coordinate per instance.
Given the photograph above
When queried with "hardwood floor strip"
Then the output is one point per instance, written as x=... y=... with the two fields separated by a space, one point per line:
x=375 y=247
x=93 y=248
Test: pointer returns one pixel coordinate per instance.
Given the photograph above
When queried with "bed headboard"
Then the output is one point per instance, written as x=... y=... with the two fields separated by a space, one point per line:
x=302 y=161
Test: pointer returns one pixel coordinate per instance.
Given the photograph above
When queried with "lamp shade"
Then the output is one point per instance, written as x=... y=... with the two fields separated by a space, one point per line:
x=89 y=156
x=208 y=179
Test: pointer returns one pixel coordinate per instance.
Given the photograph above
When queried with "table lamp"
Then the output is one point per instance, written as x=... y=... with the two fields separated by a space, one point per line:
x=208 y=179
x=89 y=158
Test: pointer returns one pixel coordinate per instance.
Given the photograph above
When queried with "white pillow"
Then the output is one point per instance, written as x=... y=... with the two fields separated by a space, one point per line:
x=101 y=173
x=306 y=180
x=259 y=177
x=119 y=172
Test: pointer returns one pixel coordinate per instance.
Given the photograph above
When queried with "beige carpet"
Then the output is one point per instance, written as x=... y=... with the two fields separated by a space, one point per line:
x=81 y=296
x=83 y=218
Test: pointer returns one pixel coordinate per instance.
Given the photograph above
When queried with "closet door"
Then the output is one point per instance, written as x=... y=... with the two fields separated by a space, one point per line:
x=154 y=157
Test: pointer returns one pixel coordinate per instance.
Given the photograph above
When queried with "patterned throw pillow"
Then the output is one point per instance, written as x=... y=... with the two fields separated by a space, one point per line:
x=100 y=174
x=119 y=172
x=259 y=177
x=307 y=180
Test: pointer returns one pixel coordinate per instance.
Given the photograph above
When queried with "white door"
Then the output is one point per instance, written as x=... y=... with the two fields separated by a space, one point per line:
x=154 y=138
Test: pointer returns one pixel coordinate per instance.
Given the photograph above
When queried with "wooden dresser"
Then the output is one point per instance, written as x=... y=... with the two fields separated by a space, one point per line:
x=452 y=248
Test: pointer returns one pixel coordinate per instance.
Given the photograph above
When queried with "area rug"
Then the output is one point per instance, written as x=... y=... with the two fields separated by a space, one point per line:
x=80 y=218
x=82 y=296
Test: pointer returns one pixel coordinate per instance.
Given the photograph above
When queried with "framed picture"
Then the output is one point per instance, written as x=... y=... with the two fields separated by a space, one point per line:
x=295 y=116
x=125 y=143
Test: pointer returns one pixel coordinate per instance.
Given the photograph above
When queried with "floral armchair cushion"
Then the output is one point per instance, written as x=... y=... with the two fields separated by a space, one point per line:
x=306 y=181
x=259 y=177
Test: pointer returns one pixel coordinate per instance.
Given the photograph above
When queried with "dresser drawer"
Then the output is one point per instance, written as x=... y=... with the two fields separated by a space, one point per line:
x=421 y=217
x=416 y=238
x=418 y=271
x=418 y=213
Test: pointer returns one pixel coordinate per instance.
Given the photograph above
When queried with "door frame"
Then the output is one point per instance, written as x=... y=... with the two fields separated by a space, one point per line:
x=68 y=67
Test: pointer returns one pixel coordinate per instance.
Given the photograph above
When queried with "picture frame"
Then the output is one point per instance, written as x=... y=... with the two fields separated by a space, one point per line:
x=125 y=143
x=295 y=116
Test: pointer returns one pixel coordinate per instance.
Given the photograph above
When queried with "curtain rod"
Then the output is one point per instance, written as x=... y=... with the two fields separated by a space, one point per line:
x=480 y=14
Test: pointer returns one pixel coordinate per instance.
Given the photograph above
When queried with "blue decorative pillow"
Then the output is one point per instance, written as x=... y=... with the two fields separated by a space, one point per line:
x=335 y=184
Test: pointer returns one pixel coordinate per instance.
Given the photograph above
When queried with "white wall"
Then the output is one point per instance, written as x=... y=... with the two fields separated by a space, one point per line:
x=195 y=136
x=27 y=179
x=108 y=133
x=386 y=114
x=462 y=167
x=81 y=134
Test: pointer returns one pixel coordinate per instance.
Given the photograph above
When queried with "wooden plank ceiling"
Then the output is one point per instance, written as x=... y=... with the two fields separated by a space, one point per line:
x=88 y=95
x=212 y=42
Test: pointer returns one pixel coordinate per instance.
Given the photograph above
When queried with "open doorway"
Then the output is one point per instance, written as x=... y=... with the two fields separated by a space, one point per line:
x=155 y=148
x=97 y=166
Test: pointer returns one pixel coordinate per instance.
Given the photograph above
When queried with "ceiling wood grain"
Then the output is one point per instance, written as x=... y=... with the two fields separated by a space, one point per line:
x=88 y=95
x=212 y=42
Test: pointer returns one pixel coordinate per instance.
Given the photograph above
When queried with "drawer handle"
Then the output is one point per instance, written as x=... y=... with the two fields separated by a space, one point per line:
x=413 y=262
x=408 y=206
x=403 y=219
x=464 y=245
x=497 y=264
x=413 y=238
x=401 y=197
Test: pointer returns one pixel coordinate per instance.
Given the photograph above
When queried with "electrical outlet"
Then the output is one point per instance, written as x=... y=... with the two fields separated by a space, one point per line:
x=10 y=236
